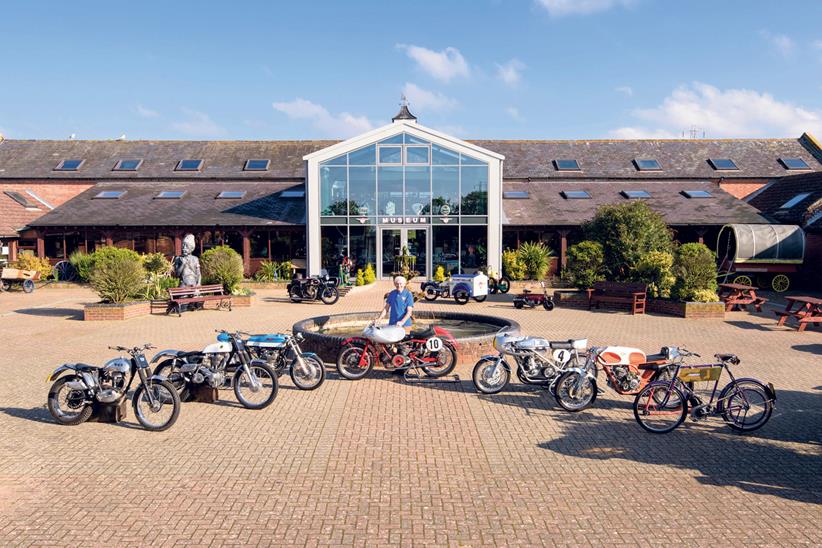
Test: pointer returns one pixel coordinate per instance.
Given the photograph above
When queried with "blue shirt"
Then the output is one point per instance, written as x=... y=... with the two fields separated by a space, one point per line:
x=399 y=303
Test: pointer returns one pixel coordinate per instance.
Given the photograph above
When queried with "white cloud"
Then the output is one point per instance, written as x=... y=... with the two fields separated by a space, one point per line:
x=723 y=113
x=421 y=99
x=443 y=65
x=340 y=125
x=146 y=112
x=560 y=8
x=514 y=113
x=198 y=124
x=628 y=91
x=511 y=72
x=781 y=43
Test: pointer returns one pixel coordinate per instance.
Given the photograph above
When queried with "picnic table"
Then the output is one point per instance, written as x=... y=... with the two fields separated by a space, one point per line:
x=739 y=295
x=809 y=310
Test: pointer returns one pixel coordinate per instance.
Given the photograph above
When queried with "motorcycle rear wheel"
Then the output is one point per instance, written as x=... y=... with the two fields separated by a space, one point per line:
x=430 y=294
x=165 y=395
x=446 y=361
x=294 y=295
x=490 y=384
x=311 y=379
x=71 y=411
x=265 y=394
x=503 y=285
x=329 y=295
x=583 y=398
x=348 y=362
x=167 y=369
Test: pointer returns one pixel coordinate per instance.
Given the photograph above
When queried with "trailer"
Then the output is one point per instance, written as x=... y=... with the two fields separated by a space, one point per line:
x=762 y=255
x=13 y=276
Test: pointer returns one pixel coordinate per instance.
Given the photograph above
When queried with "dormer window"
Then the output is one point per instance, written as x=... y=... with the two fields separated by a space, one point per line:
x=69 y=165
x=189 y=165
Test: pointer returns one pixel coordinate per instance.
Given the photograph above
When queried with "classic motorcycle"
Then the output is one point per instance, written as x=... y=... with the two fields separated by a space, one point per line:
x=73 y=397
x=283 y=353
x=627 y=371
x=433 y=350
x=225 y=364
x=322 y=287
x=528 y=299
x=538 y=361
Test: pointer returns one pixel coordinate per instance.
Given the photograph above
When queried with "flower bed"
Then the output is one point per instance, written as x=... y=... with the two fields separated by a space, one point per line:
x=110 y=311
x=242 y=301
x=691 y=310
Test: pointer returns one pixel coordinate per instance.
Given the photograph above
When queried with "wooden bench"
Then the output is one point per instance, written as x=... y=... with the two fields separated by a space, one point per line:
x=632 y=293
x=178 y=296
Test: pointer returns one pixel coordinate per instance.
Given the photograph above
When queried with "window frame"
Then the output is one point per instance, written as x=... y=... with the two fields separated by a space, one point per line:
x=222 y=195
x=62 y=165
x=246 y=166
x=627 y=194
x=160 y=196
x=639 y=167
x=784 y=162
x=576 y=163
x=712 y=162
x=119 y=194
x=575 y=194
x=119 y=165
x=697 y=194
x=199 y=167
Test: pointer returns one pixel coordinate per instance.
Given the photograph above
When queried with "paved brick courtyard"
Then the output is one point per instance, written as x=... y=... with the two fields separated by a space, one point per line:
x=378 y=462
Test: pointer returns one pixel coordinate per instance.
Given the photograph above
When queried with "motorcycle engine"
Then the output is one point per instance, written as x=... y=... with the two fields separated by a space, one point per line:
x=112 y=384
x=269 y=355
x=400 y=360
x=549 y=372
x=627 y=379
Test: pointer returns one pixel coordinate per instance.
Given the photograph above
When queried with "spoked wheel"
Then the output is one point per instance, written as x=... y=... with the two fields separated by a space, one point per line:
x=354 y=362
x=488 y=378
x=492 y=286
x=780 y=283
x=28 y=286
x=659 y=408
x=308 y=376
x=430 y=293
x=548 y=304
x=503 y=285
x=748 y=405
x=742 y=279
x=66 y=405
x=4 y=285
x=257 y=392
x=461 y=296
x=64 y=271
x=329 y=295
x=446 y=361
x=573 y=395
x=294 y=295
x=172 y=374
x=163 y=412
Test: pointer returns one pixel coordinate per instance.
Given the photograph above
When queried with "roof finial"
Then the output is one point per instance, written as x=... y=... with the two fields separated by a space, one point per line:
x=404 y=113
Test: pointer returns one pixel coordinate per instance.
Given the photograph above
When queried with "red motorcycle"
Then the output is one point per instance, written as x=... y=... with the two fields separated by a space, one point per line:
x=433 y=350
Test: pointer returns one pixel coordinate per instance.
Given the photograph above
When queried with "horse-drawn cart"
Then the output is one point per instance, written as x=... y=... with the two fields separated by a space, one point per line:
x=15 y=276
x=761 y=255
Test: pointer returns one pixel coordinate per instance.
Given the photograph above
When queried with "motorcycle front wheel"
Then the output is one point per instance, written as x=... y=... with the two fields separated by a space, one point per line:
x=573 y=398
x=446 y=361
x=68 y=406
x=329 y=295
x=310 y=376
x=263 y=394
x=163 y=413
x=659 y=408
x=488 y=378
x=430 y=294
x=348 y=362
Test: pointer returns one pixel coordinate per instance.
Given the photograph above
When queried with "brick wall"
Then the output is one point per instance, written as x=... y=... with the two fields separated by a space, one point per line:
x=740 y=189
x=105 y=312
x=55 y=193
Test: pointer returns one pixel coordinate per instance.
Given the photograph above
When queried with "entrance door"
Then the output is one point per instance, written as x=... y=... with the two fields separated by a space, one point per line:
x=395 y=239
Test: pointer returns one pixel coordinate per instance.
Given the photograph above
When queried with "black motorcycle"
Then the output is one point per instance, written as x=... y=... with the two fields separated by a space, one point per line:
x=323 y=288
x=73 y=397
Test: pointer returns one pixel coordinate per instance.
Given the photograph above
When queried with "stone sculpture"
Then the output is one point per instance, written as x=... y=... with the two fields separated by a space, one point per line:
x=187 y=266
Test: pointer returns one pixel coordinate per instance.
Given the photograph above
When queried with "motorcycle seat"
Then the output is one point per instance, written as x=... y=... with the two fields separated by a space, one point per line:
x=562 y=345
x=653 y=358
x=422 y=333
x=84 y=367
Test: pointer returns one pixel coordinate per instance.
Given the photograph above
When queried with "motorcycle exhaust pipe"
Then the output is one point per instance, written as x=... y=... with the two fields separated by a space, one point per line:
x=76 y=385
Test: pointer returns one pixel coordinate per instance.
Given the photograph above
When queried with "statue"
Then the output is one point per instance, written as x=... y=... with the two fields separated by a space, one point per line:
x=187 y=266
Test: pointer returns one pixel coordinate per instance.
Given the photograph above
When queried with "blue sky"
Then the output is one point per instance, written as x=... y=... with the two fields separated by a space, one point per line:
x=497 y=69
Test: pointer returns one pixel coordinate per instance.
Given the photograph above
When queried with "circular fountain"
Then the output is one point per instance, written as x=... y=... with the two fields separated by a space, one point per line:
x=474 y=332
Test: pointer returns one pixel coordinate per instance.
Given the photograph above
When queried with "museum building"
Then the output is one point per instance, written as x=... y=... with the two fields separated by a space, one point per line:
x=447 y=201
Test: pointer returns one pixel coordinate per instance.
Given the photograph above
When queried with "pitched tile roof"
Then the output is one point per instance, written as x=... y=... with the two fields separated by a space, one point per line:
x=546 y=206
x=262 y=205
x=770 y=199
x=14 y=216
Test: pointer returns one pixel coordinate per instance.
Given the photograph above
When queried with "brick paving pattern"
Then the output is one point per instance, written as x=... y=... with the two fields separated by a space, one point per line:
x=380 y=462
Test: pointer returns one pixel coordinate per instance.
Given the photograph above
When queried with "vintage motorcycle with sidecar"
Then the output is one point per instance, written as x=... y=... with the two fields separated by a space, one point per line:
x=323 y=288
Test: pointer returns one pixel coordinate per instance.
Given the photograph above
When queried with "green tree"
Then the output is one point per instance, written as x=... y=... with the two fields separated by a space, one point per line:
x=223 y=265
x=512 y=266
x=655 y=269
x=585 y=264
x=118 y=275
x=695 y=271
x=535 y=258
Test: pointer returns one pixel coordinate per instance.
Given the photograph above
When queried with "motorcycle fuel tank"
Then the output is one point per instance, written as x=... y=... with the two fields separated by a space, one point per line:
x=621 y=355
x=217 y=348
x=275 y=340
x=386 y=334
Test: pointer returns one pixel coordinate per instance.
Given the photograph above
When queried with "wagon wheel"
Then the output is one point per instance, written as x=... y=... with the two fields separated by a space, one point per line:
x=28 y=286
x=780 y=283
x=742 y=279
x=64 y=271
x=4 y=285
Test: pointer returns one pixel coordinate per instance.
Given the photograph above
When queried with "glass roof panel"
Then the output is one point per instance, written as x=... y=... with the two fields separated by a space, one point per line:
x=231 y=194
x=575 y=194
x=109 y=194
x=634 y=194
x=256 y=165
x=697 y=194
x=795 y=200
x=647 y=165
x=69 y=165
x=189 y=165
x=794 y=163
x=567 y=165
x=722 y=163
x=516 y=195
x=171 y=194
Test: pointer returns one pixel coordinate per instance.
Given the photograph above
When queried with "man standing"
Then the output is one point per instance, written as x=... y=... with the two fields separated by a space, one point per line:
x=399 y=305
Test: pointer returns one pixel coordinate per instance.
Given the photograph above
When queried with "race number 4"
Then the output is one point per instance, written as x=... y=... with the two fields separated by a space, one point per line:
x=434 y=344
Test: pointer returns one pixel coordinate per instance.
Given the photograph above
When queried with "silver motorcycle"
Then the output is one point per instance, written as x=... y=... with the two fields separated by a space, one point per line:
x=538 y=361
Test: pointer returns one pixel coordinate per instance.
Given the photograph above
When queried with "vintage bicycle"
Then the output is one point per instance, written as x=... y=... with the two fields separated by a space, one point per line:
x=745 y=404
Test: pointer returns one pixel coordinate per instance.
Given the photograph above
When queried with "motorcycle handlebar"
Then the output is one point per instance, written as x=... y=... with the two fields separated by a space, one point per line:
x=135 y=350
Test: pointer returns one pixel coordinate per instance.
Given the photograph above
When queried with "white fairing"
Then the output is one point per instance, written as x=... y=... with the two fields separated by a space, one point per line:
x=217 y=348
x=386 y=334
x=580 y=344
x=534 y=343
x=625 y=354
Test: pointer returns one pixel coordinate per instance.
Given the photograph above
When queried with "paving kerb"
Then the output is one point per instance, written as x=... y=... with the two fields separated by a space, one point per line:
x=378 y=461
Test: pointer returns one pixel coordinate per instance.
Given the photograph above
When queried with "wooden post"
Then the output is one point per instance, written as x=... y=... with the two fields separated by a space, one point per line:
x=701 y=235
x=178 y=243
x=109 y=238
x=41 y=244
x=246 y=251
x=563 y=248
x=12 y=251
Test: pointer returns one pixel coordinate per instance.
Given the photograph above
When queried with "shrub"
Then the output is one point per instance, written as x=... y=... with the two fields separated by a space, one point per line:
x=83 y=263
x=285 y=270
x=439 y=274
x=28 y=261
x=369 y=275
x=118 y=276
x=585 y=264
x=222 y=265
x=512 y=266
x=268 y=271
x=535 y=258
x=704 y=296
x=157 y=264
x=695 y=271
x=627 y=233
x=360 y=277
x=655 y=269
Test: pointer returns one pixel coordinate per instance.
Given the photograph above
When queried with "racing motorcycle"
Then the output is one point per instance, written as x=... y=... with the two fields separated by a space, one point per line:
x=73 y=396
x=322 y=287
x=538 y=361
x=223 y=365
x=627 y=371
x=282 y=352
x=433 y=350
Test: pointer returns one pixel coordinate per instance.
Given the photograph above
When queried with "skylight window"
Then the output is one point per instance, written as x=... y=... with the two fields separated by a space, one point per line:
x=635 y=194
x=647 y=165
x=575 y=195
x=127 y=165
x=69 y=165
x=109 y=194
x=516 y=195
x=293 y=194
x=722 y=164
x=21 y=199
x=567 y=165
x=189 y=165
x=231 y=195
x=697 y=194
x=256 y=165
x=171 y=195
x=795 y=200
x=794 y=163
